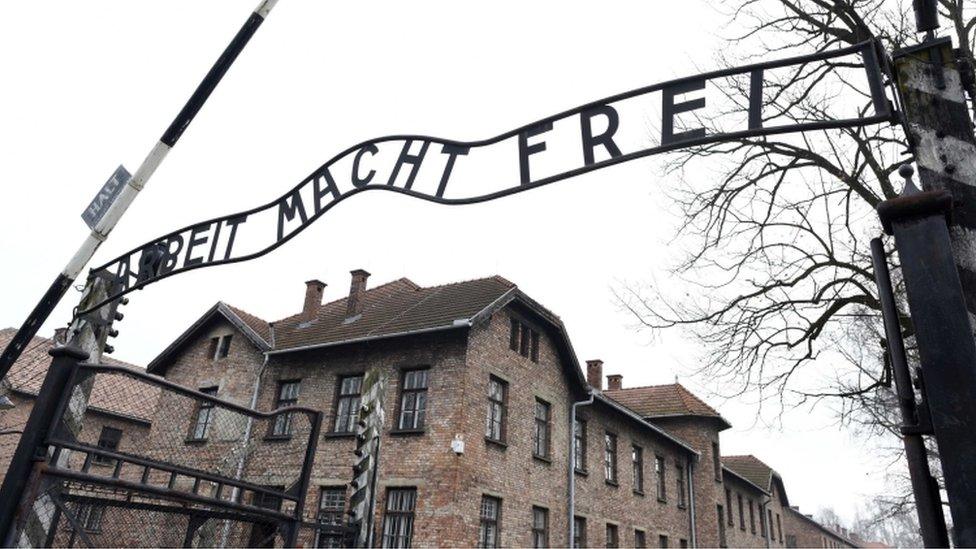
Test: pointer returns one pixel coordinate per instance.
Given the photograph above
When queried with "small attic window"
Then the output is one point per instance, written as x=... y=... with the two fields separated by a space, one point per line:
x=524 y=340
x=219 y=346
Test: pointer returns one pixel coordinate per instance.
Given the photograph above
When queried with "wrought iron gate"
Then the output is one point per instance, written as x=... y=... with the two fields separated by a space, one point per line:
x=201 y=471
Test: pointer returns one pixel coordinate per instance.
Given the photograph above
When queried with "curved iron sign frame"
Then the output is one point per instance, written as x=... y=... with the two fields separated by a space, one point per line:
x=155 y=256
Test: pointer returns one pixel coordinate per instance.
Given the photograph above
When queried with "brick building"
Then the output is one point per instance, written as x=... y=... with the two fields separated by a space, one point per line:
x=479 y=442
x=119 y=416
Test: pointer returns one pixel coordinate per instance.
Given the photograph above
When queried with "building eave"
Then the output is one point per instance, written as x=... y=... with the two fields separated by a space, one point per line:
x=156 y=366
x=644 y=423
x=725 y=469
x=461 y=323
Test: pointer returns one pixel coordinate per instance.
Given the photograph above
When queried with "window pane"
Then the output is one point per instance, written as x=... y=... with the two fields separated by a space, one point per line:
x=332 y=504
x=413 y=400
x=540 y=527
x=495 y=418
x=610 y=457
x=513 y=336
x=347 y=405
x=637 y=457
x=224 y=346
x=489 y=528
x=580 y=435
x=398 y=519
x=541 y=435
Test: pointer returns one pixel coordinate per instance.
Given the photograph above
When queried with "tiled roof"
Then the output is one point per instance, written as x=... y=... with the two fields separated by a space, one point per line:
x=750 y=468
x=259 y=326
x=112 y=393
x=662 y=400
x=394 y=308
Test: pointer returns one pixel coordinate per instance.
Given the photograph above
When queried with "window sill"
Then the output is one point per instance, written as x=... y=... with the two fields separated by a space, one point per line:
x=543 y=459
x=277 y=438
x=581 y=472
x=334 y=434
x=499 y=443
x=613 y=483
x=639 y=493
x=662 y=500
x=682 y=506
x=195 y=441
x=408 y=432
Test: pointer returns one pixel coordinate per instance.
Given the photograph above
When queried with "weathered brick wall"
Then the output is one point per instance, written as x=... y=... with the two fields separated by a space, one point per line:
x=776 y=505
x=134 y=433
x=510 y=472
x=747 y=531
x=700 y=433
x=522 y=481
x=601 y=502
x=807 y=533
x=422 y=460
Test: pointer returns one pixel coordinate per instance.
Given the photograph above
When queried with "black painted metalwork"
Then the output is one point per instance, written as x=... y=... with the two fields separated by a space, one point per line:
x=196 y=246
x=928 y=502
x=947 y=350
x=60 y=286
x=163 y=471
x=30 y=447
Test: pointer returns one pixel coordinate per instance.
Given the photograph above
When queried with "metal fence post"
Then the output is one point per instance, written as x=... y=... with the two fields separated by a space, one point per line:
x=31 y=447
x=928 y=502
x=946 y=347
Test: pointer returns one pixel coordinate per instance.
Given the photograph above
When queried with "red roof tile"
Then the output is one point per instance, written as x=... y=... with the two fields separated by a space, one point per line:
x=259 y=326
x=112 y=393
x=750 y=468
x=397 y=307
x=662 y=400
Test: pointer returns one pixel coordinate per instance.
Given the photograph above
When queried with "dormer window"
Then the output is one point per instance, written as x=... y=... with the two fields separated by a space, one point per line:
x=219 y=346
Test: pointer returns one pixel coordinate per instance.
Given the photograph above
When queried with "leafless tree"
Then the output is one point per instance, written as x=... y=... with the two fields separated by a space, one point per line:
x=778 y=287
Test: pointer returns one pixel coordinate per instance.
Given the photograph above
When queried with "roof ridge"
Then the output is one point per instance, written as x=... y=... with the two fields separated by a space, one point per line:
x=402 y=279
x=643 y=387
x=497 y=278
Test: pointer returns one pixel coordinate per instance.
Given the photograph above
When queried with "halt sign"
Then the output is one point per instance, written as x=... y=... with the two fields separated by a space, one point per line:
x=106 y=197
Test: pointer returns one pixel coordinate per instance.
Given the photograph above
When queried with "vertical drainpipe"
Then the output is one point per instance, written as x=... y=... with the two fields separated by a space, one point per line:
x=765 y=519
x=571 y=467
x=247 y=436
x=692 y=535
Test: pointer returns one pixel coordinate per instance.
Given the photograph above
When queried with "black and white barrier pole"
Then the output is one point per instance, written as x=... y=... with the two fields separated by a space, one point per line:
x=130 y=189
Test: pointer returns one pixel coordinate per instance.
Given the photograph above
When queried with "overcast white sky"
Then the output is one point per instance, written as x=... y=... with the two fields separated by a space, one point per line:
x=86 y=86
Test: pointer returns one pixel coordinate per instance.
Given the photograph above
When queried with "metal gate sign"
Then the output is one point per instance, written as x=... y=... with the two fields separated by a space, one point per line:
x=731 y=104
x=105 y=197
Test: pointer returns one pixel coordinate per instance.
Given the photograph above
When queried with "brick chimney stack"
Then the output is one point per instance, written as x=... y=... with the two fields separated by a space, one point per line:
x=615 y=382
x=594 y=373
x=313 y=299
x=354 y=305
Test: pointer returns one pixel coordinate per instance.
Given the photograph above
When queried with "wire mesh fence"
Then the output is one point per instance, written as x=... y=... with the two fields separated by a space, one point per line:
x=150 y=463
x=80 y=514
x=195 y=444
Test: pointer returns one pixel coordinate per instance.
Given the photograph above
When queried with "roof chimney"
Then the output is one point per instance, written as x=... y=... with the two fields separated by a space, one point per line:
x=313 y=299
x=615 y=382
x=354 y=305
x=594 y=373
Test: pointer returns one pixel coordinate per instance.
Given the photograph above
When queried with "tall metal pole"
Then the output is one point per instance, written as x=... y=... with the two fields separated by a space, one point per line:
x=928 y=502
x=946 y=348
x=128 y=194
